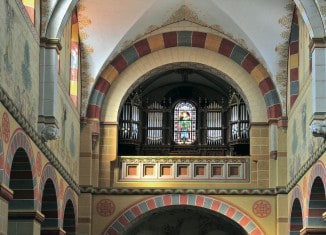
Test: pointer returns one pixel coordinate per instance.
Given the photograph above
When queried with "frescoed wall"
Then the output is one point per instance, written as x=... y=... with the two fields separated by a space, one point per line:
x=19 y=61
x=301 y=143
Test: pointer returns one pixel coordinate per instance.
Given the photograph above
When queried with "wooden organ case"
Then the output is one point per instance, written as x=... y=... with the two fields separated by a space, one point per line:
x=158 y=127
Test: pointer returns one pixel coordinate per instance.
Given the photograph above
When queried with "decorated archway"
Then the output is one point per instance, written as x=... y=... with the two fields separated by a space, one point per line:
x=122 y=222
x=186 y=39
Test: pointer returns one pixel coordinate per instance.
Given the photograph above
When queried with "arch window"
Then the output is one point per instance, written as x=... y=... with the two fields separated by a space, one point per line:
x=184 y=123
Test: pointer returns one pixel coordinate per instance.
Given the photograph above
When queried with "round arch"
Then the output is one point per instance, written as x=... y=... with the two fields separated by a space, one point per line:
x=69 y=195
x=312 y=17
x=20 y=140
x=296 y=211
x=316 y=184
x=58 y=17
x=318 y=170
x=48 y=173
x=185 y=39
x=120 y=224
x=202 y=59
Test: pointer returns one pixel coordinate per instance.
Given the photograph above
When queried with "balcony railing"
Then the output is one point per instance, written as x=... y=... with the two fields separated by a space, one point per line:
x=184 y=168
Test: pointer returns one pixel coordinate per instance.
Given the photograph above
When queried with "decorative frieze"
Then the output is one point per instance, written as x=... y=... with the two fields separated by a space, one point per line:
x=157 y=191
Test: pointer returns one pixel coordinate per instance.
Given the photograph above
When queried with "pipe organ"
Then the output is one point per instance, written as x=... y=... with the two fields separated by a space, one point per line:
x=215 y=127
x=214 y=124
x=154 y=124
x=129 y=122
x=239 y=120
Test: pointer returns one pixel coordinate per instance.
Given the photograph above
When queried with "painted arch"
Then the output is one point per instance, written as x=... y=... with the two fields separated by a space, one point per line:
x=316 y=198
x=296 y=211
x=48 y=173
x=182 y=39
x=69 y=209
x=20 y=140
x=120 y=224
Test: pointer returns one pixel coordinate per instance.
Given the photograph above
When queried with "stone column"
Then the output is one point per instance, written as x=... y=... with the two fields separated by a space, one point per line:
x=6 y=195
x=23 y=222
x=318 y=57
x=85 y=203
x=260 y=154
x=108 y=153
x=282 y=220
x=48 y=91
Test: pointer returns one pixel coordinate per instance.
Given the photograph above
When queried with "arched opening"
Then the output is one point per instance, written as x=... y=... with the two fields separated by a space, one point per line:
x=21 y=182
x=296 y=223
x=69 y=222
x=184 y=220
x=213 y=208
x=49 y=208
x=317 y=204
x=184 y=111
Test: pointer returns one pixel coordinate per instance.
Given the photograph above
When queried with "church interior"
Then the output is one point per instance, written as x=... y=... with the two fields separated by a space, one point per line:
x=174 y=117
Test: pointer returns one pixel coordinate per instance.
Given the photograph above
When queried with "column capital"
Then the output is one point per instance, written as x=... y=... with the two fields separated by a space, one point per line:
x=317 y=43
x=26 y=215
x=51 y=43
x=313 y=231
x=6 y=193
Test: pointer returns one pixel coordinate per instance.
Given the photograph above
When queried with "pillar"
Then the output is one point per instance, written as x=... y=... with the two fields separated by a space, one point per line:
x=23 y=222
x=108 y=153
x=48 y=89
x=318 y=57
x=6 y=195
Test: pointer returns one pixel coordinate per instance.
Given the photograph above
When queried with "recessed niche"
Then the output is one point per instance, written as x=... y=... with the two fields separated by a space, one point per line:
x=200 y=170
x=183 y=170
x=217 y=170
x=166 y=170
x=148 y=170
x=131 y=170
x=234 y=170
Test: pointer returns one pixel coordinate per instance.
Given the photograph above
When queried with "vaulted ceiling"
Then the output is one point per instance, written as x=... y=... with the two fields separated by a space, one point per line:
x=261 y=26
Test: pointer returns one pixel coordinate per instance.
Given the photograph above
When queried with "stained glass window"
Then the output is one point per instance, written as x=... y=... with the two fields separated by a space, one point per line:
x=184 y=123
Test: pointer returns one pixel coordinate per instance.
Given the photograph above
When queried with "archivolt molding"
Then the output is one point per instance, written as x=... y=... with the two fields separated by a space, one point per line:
x=201 y=59
x=120 y=225
x=189 y=39
x=59 y=17
x=313 y=16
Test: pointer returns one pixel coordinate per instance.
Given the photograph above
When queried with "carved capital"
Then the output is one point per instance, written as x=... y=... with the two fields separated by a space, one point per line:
x=318 y=128
x=49 y=132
